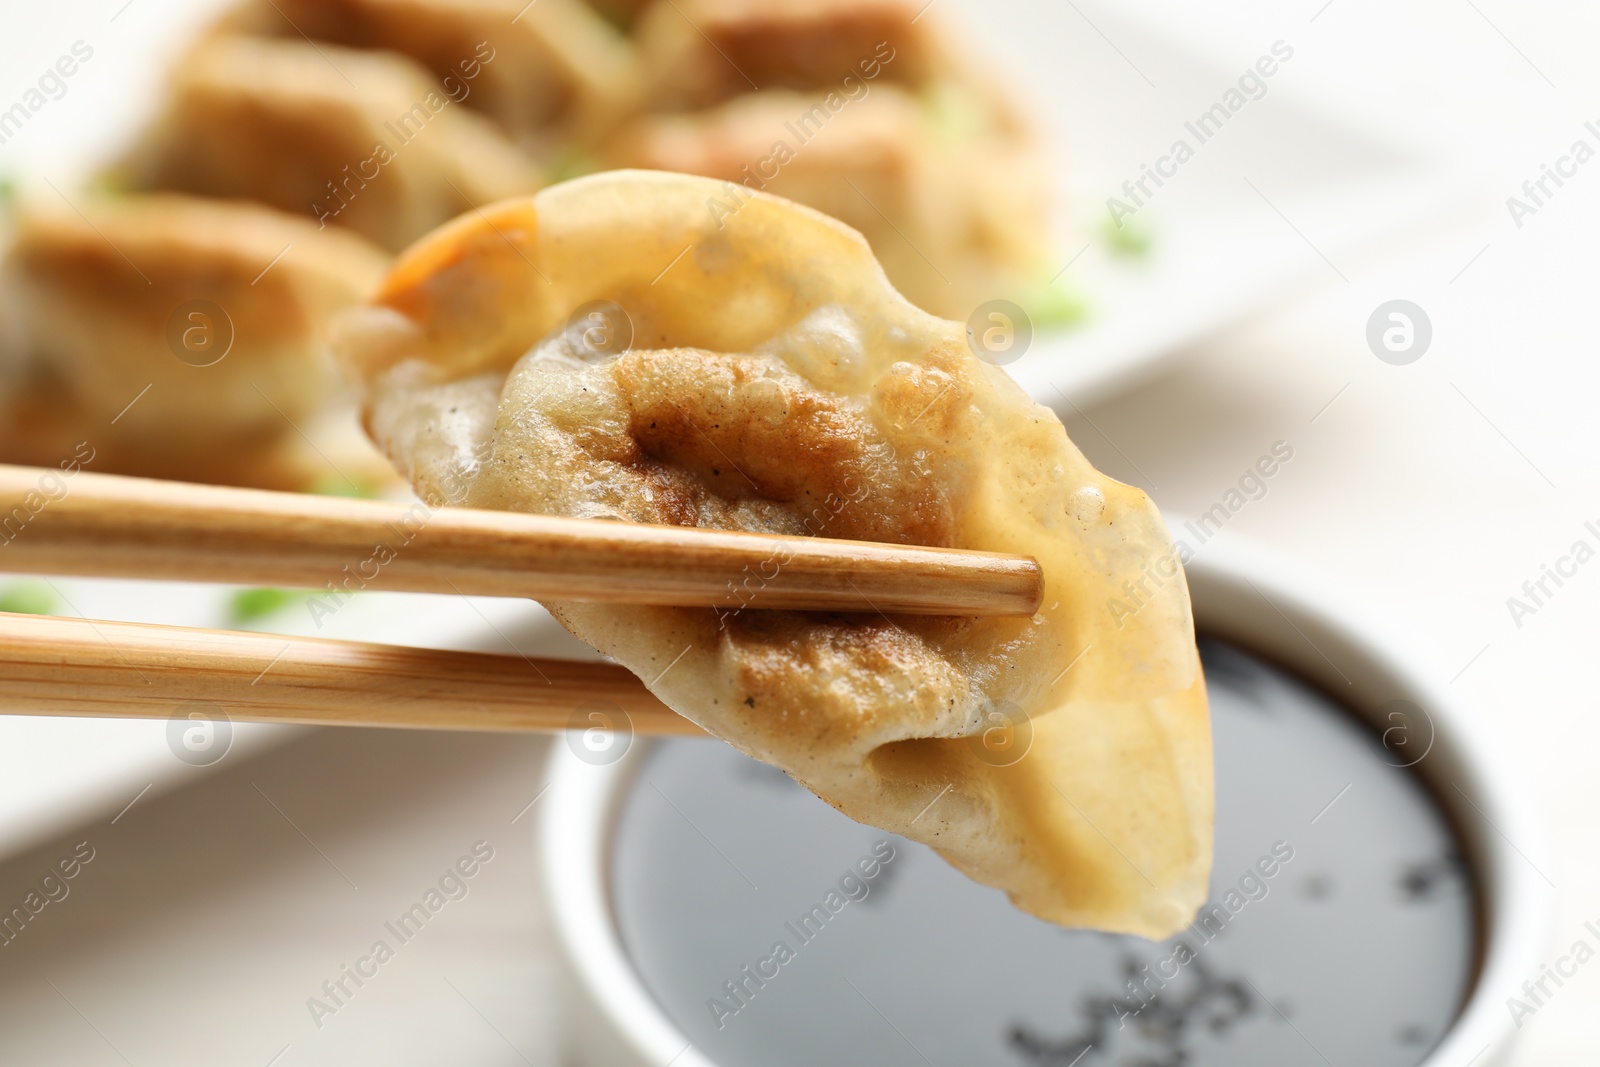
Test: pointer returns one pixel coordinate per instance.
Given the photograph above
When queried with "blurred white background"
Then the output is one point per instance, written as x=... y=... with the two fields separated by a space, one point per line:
x=1435 y=489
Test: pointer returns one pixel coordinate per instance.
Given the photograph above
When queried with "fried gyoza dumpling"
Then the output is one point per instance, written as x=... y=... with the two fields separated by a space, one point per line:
x=529 y=66
x=703 y=52
x=177 y=336
x=865 y=111
x=776 y=382
x=364 y=140
x=949 y=234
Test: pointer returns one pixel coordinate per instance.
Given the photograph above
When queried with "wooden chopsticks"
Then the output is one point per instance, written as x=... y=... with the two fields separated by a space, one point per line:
x=51 y=666
x=110 y=526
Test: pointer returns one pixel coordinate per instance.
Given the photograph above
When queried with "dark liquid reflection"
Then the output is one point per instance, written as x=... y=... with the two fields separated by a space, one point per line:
x=1348 y=939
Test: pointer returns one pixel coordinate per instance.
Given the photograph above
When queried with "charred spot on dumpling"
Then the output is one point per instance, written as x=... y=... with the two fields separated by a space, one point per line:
x=779 y=439
x=855 y=671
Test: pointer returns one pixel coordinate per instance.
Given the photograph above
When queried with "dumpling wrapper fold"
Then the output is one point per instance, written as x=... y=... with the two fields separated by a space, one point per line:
x=776 y=382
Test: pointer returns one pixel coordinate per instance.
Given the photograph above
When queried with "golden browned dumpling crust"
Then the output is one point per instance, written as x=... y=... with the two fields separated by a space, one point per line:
x=873 y=111
x=705 y=52
x=865 y=109
x=776 y=382
x=177 y=336
x=367 y=141
x=554 y=68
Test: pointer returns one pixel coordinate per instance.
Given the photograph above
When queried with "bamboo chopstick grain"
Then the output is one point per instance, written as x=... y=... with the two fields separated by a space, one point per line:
x=112 y=526
x=56 y=666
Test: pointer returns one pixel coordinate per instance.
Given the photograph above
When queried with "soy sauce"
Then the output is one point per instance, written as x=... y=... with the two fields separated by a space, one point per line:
x=1340 y=927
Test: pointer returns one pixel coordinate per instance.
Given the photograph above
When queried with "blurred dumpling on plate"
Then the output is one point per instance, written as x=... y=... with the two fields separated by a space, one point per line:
x=868 y=110
x=369 y=141
x=536 y=69
x=178 y=338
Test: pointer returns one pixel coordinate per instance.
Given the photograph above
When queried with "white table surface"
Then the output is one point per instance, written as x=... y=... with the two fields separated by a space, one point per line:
x=207 y=918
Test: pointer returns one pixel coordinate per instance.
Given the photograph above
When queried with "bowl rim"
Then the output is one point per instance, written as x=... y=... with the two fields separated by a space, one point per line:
x=1331 y=639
